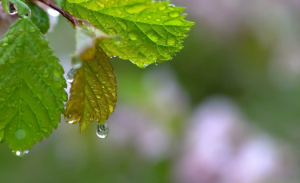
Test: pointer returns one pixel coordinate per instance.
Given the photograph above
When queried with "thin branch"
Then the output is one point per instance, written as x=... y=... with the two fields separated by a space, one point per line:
x=67 y=15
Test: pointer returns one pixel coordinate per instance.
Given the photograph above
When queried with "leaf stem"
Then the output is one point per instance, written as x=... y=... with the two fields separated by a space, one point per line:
x=67 y=15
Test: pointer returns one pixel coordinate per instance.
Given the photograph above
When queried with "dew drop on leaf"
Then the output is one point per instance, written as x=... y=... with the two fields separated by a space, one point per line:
x=162 y=8
x=133 y=36
x=20 y=153
x=69 y=121
x=20 y=134
x=32 y=29
x=171 y=41
x=101 y=5
x=70 y=75
x=135 y=8
x=5 y=41
x=153 y=36
x=102 y=131
x=46 y=73
x=45 y=130
x=174 y=14
x=117 y=39
x=123 y=24
x=30 y=125
x=76 y=63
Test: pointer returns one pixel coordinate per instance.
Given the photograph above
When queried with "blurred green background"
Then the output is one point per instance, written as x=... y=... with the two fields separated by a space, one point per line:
x=226 y=109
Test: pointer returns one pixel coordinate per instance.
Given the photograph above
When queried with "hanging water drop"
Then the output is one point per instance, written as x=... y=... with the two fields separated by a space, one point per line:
x=76 y=63
x=102 y=131
x=70 y=75
x=20 y=153
x=67 y=119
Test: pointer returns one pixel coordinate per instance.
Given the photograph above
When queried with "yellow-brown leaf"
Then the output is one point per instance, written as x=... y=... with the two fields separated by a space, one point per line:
x=94 y=90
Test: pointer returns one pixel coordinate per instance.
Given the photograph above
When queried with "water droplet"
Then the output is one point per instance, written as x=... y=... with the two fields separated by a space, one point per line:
x=135 y=8
x=2 y=99
x=56 y=73
x=32 y=29
x=70 y=75
x=158 y=20
x=133 y=36
x=45 y=130
x=76 y=63
x=117 y=39
x=67 y=119
x=39 y=95
x=101 y=5
x=20 y=134
x=171 y=41
x=162 y=8
x=123 y=24
x=12 y=8
x=174 y=14
x=30 y=125
x=46 y=73
x=5 y=41
x=102 y=131
x=171 y=5
x=20 y=153
x=153 y=35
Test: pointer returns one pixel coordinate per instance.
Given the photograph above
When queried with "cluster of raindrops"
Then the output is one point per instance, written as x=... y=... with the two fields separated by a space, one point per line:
x=102 y=131
x=20 y=153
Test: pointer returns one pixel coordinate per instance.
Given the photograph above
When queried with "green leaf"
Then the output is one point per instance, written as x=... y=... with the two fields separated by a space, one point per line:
x=94 y=90
x=150 y=31
x=23 y=9
x=31 y=87
x=39 y=17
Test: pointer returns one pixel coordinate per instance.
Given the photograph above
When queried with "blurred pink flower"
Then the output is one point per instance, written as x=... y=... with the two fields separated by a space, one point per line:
x=219 y=148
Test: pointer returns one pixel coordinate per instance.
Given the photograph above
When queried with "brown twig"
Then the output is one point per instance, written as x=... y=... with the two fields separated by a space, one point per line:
x=67 y=15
